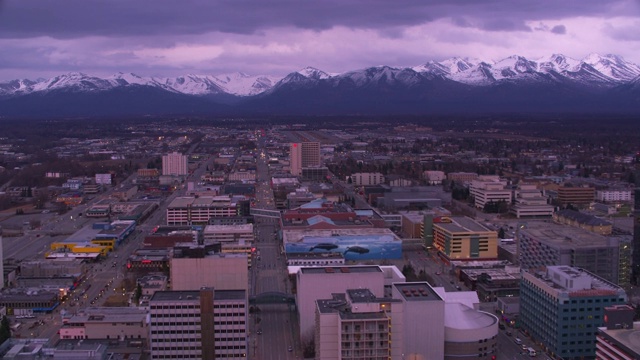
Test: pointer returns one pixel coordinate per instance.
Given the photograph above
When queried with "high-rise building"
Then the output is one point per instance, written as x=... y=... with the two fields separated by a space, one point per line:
x=563 y=307
x=302 y=155
x=201 y=324
x=174 y=164
x=221 y=271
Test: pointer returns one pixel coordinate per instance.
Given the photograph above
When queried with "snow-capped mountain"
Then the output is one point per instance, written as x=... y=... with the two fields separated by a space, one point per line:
x=597 y=82
x=235 y=84
x=242 y=84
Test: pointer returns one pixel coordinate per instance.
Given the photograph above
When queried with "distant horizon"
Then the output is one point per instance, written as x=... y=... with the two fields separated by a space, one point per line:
x=331 y=73
x=163 y=38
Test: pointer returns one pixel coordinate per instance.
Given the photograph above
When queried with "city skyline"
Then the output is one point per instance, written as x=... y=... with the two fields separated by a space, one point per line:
x=170 y=39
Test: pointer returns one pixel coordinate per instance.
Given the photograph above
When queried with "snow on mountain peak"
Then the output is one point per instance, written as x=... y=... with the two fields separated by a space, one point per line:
x=313 y=73
x=242 y=84
x=558 y=63
x=613 y=66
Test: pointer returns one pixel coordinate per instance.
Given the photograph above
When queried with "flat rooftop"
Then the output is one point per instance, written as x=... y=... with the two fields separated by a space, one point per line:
x=373 y=234
x=340 y=269
x=629 y=338
x=109 y=314
x=563 y=236
x=175 y=295
x=202 y=201
x=462 y=224
x=460 y=316
x=228 y=228
x=417 y=292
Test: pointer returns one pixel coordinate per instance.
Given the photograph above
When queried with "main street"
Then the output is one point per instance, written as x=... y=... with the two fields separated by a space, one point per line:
x=273 y=326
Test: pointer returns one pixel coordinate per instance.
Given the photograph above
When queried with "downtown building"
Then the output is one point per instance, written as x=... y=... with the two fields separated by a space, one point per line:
x=489 y=189
x=543 y=244
x=563 y=307
x=304 y=155
x=200 y=324
x=191 y=210
x=411 y=321
x=618 y=338
x=530 y=202
x=461 y=238
x=174 y=164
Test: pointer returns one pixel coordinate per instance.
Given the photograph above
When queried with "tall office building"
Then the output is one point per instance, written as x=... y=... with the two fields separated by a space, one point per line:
x=174 y=164
x=302 y=155
x=198 y=269
x=201 y=324
x=635 y=259
x=563 y=307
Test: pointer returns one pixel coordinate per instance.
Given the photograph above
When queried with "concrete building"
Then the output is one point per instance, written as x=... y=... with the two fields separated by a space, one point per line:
x=367 y=179
x=204 y=324
x=315 y=283
x=221 y=271
x=530 y=202
x=413 y=198
x=562 y=308
x=174 y=164
x=104 y=179
x=489 y=189
x=618 y=339
x=543 y=244
x=462 y=238
x=434 y=177
x=576 y=195
x=310 y=259
x=614 y=195
x=415 y=321
x=462 y=177
x=198 y=211
x=229 y=233
x=122 y=323
x=302 y=155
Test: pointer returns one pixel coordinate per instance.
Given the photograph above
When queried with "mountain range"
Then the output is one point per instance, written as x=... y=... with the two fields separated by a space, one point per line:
x=555 y=83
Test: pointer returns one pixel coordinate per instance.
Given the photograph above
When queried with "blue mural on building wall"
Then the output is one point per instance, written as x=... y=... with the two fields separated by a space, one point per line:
x=353 y=247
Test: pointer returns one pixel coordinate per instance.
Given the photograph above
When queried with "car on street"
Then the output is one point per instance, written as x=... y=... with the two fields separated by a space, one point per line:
x=290 y=348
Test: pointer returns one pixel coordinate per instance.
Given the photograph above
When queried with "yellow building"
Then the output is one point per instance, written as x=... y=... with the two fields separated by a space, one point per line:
x=79 y=248
x=462 y=238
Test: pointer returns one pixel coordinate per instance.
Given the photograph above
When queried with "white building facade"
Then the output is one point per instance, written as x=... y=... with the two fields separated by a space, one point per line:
x=174 y=164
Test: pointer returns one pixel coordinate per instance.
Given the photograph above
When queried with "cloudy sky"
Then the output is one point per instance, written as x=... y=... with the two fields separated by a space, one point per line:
x=43 y=38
